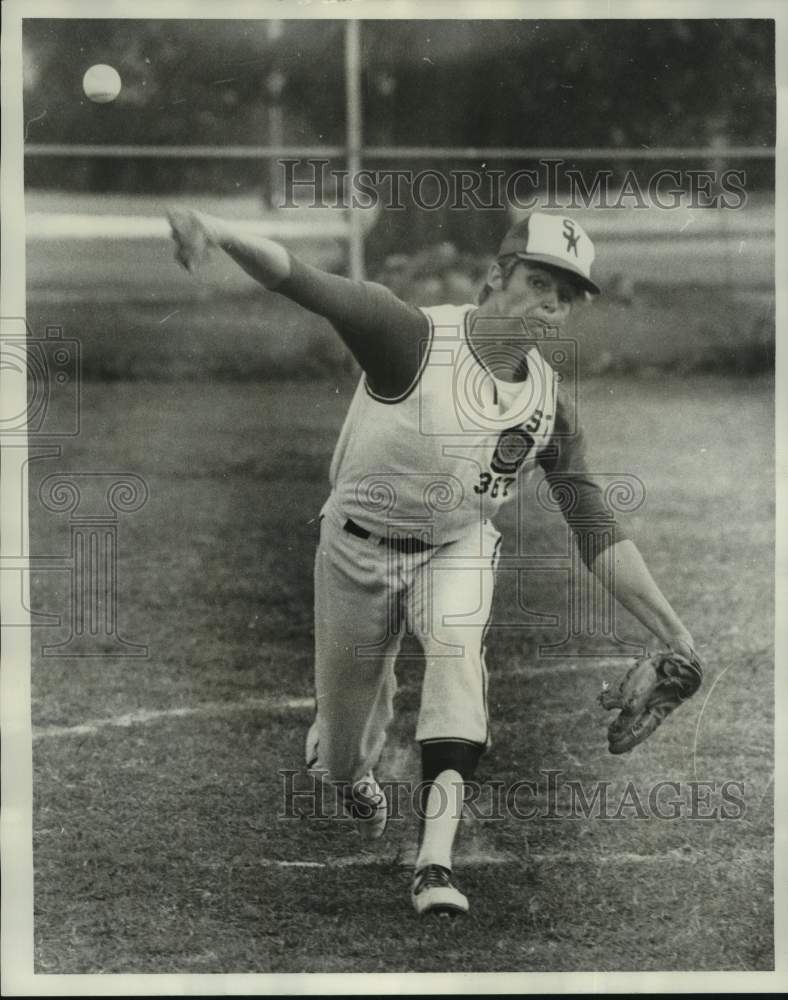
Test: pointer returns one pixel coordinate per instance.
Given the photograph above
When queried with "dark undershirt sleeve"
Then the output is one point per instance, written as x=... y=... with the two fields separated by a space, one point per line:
x=387 y=336
x=574 y=489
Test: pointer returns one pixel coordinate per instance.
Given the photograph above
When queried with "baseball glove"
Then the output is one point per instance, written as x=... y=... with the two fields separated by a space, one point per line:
x=651 y=689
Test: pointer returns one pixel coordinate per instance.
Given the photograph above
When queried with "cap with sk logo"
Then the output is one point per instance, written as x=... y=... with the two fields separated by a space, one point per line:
x=554 y=240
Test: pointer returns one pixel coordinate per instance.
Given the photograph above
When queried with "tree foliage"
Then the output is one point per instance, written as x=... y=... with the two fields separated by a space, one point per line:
x=504 y=83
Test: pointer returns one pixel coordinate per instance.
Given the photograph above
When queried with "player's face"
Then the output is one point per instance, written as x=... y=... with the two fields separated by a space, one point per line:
x=540 y=295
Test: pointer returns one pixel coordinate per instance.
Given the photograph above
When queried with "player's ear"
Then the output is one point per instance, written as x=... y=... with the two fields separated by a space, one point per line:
x=495 y=277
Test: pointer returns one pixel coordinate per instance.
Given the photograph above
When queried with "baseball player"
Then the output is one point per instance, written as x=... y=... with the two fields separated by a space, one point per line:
x=455 y=405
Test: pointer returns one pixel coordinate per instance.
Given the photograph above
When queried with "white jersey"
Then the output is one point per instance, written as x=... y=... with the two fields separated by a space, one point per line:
x=448 y=452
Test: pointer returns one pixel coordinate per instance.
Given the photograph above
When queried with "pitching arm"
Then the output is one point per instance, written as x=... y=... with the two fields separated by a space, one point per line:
x=604 y=546
x=386 y=335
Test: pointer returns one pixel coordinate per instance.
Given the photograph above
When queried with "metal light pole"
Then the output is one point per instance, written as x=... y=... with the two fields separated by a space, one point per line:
x=353 y=140
x=275 y=83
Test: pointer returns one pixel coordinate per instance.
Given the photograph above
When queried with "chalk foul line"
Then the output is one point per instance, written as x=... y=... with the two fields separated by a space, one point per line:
x=479 y=859
x=146 y=715
x=143 y=716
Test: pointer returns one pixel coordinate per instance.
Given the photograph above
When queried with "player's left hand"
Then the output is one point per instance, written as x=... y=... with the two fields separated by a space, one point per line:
x=684 y=646
x=193 y=239
x=651 y=689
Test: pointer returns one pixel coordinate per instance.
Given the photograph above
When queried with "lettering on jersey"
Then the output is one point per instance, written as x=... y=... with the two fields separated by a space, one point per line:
x=513 y=447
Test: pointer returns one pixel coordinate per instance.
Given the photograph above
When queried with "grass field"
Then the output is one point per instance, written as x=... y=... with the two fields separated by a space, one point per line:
x=201 y=334
x=157 y=843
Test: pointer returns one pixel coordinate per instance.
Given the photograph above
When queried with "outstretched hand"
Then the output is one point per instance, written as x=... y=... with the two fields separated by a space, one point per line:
x=192 y=236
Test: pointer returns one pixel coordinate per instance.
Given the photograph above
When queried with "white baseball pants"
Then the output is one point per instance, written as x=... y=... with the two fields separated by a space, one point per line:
x=366 y=594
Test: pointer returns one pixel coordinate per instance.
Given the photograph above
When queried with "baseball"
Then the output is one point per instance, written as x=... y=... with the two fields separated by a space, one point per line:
x=101 y=83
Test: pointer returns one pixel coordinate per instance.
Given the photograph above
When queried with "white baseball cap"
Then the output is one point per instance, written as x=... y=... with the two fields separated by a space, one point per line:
x=554 y=240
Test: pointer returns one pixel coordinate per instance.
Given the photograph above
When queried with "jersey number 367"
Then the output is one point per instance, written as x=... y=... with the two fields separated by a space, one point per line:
x=514 y=446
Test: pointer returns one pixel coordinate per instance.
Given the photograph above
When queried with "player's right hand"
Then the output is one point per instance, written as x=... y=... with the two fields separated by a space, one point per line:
x=193 y=241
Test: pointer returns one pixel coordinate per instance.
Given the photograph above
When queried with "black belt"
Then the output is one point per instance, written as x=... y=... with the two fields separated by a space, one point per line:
x=405 y=544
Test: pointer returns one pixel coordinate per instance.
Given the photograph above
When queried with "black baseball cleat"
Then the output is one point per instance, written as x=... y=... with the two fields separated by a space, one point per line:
x=434 y=892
